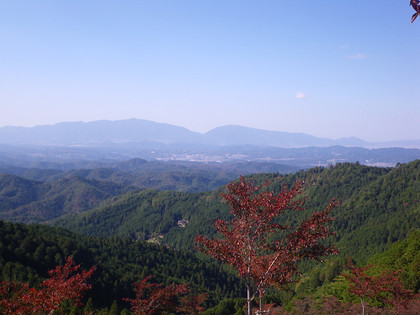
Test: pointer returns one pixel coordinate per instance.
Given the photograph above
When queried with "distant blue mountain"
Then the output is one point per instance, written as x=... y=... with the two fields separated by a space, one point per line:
x=238 y=135
x=97 y=132
x=137 y=131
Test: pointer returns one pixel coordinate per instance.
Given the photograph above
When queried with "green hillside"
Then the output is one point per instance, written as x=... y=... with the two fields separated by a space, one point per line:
x=151 y=214
x=161 y=175
x=403 y=255
x=32 y=201
x=378 y=207
x=28 y=252
x=378 y=222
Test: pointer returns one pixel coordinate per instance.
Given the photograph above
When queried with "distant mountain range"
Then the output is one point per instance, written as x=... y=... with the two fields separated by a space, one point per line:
x=76 y=145
x=140 y=131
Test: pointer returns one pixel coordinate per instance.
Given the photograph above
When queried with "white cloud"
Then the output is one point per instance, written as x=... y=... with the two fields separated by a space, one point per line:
x=357 y=56
x=301 y=95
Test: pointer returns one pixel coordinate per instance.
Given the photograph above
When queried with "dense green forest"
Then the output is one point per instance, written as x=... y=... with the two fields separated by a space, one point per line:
x=35 y=195
x=135 y=233
x=378 y=207
x=33 y=201
x=325 y=279
x=141 y=174
x=28 y=252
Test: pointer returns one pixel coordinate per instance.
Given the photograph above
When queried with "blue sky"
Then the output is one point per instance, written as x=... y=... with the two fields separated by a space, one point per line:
x=328 y=68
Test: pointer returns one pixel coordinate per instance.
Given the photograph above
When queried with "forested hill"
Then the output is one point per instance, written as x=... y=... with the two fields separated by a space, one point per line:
x=28 y=252
x=33 y=201
x=378 y=207
x=142 y=174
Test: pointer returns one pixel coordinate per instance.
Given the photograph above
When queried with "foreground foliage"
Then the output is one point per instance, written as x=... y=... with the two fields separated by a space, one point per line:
x=386 y=287
x=250 y=240
x=65 y=283
x=28 y=252
x=152 y=298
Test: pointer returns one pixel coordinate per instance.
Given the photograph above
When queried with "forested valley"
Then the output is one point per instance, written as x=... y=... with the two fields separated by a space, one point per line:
x=130 y=230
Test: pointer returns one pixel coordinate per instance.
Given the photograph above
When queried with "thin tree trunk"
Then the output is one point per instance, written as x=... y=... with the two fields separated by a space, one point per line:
x=248 y=299
x=248 y=286
x=248 y=292
x=363 y=307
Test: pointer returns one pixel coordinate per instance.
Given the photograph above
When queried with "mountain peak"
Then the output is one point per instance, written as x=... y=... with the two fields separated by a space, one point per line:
x=140 y=131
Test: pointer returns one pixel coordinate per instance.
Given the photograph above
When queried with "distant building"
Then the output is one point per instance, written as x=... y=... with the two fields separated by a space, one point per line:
x=182 y=223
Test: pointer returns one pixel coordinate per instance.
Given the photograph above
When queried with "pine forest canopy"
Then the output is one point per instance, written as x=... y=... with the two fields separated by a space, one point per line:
x=378 y=207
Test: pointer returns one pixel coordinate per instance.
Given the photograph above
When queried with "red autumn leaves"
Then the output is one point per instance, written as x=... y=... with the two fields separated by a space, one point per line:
x=386 y=287
x=152 y=298
x=68 y=283
x=65 y=283
x=249 y=241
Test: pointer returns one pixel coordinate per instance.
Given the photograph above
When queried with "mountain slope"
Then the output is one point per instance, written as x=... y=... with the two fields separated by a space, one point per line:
x=239 y=135
x=378 y=207
x=32 y=201
x=171 y=175
x=146 y=214
x=16 y=191
x=27 y=252
x=97 y=132
x=383 y=211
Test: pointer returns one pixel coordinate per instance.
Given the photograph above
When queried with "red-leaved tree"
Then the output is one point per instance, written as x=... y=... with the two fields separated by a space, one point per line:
x=65 y=283
x=192 y=304
x=386 y=287
x=249 y=242
x=153 y=298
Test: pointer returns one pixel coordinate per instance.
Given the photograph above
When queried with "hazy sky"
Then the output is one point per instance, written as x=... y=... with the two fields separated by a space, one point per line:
x=328 y=68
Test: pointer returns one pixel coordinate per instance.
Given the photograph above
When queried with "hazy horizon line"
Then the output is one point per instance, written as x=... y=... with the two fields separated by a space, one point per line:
x=202 y=133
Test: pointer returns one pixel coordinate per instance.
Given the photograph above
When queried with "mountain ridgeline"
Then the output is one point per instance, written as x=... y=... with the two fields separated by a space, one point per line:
x=99 y=144
x=140 y=130
x=34 y=201
x=136 y=130
x=378 y=207
x=41 y=195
